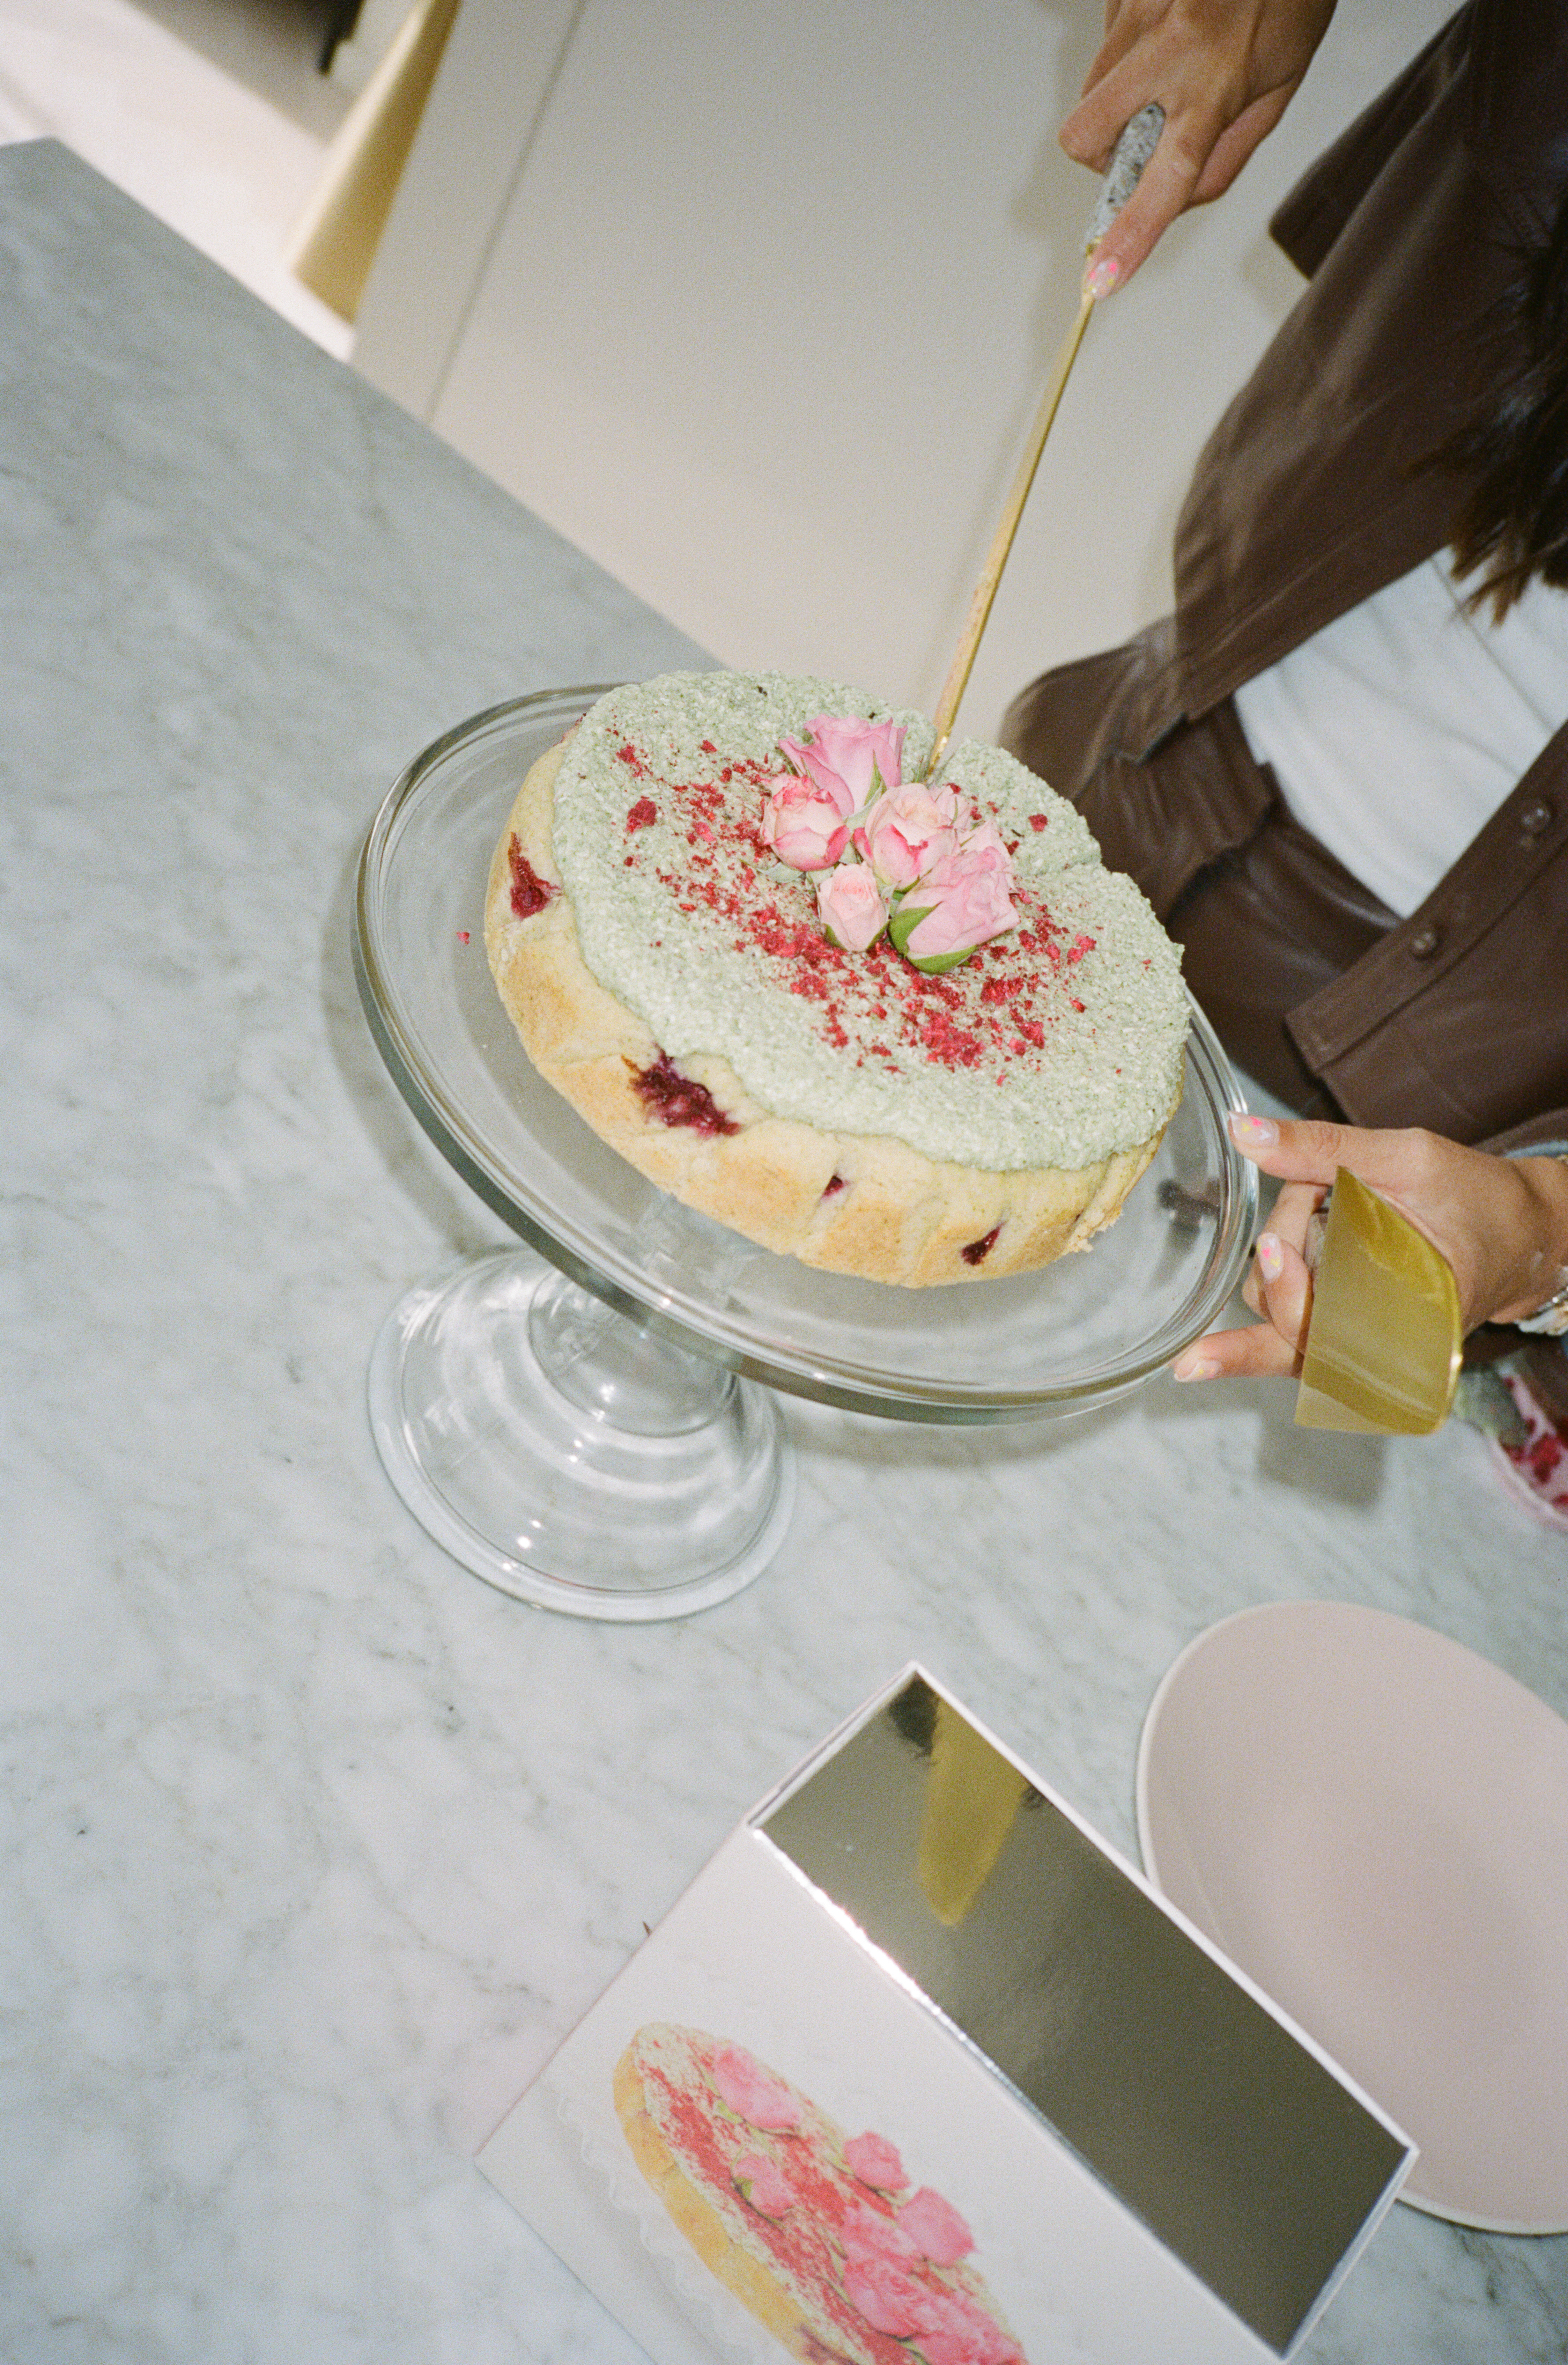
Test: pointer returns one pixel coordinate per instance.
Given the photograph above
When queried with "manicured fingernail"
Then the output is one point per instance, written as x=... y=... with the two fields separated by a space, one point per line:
x=1270 y=1256
x=1194 y=1366
x=1100 y=278
x=1253 y=1132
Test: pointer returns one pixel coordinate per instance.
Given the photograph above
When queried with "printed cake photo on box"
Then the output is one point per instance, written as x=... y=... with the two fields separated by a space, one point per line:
x=918 y=2072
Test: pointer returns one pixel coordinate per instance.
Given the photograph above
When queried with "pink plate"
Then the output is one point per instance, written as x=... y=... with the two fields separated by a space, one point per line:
x=1372 y=1821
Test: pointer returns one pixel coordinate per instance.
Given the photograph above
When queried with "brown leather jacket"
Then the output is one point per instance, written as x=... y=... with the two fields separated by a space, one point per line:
x=1310 y=496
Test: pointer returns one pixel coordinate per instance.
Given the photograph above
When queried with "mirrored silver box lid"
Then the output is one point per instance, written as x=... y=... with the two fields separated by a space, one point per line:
x=1207 y=2116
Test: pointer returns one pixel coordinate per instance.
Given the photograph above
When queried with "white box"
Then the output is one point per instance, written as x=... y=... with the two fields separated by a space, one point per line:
x=913 y=1938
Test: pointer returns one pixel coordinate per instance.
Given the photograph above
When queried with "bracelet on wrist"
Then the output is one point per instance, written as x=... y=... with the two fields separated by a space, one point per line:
x=1550 y=1319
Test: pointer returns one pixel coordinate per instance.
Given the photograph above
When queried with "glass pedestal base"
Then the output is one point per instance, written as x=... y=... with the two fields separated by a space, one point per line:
x=569 y=1457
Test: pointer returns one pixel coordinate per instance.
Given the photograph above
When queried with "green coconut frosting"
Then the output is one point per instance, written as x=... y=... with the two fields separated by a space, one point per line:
x=1058 y=1045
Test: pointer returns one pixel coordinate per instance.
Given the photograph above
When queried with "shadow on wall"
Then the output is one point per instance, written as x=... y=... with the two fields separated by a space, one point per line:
x=273 y=47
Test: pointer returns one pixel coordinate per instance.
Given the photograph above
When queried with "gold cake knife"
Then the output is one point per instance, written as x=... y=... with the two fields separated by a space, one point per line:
x=1132 y=152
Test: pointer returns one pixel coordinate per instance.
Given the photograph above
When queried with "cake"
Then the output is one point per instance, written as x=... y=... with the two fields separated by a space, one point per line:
x=676 y=973
x=819 y=2233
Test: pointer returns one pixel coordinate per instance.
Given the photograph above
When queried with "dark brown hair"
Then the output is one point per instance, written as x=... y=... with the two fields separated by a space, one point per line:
x=1512 y=525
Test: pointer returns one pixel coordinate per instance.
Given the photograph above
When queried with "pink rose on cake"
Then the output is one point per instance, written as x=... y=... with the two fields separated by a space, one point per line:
x=803 y=825
x=874 y=2161
x=895 y=852
x=904 y=834
x=962 y=903
x=935 y=2227
x=751 y=2093
x=956 y=2332
x=866 y=2234
x=850 y=908
x=889 y=2298
x=849 y=760
x=757 y=2181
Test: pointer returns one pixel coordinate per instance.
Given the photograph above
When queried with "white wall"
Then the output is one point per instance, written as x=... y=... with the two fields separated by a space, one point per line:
x=753 y=298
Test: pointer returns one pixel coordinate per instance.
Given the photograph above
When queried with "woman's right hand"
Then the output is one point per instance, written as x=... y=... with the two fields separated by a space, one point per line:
x=1224 y=70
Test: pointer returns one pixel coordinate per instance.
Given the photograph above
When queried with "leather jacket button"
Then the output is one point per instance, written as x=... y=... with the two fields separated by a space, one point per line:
x=1537 y=818
x=1423 y=943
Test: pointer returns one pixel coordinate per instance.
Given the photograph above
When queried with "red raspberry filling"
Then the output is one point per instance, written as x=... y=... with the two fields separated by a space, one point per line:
x=977 y=1252
x=676 y=1099
x=530 y=893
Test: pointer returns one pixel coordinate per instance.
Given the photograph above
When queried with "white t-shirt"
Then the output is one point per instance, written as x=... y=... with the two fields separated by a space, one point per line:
x=1398 y=731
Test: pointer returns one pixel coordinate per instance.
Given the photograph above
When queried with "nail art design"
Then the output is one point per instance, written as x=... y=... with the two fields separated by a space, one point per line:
x=1100 y=278
x=1254 y=1132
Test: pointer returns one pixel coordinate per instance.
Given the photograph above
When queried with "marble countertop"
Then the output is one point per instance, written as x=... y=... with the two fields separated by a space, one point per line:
x=315 y=1845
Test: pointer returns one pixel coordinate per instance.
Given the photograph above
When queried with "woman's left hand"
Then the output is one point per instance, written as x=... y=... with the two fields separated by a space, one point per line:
x=1502 y=1224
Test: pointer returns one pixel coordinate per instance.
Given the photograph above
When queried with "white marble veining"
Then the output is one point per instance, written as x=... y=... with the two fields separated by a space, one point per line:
x=313 y=1844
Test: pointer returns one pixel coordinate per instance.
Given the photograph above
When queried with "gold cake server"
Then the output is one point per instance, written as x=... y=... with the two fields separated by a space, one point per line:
x=1133 y=151
x=1385 y=1340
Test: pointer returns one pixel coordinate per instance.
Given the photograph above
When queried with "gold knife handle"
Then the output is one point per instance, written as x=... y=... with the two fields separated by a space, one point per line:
x=1132 y=151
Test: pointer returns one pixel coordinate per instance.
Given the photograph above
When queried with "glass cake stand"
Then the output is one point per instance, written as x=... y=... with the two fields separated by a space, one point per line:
x=584 y=1421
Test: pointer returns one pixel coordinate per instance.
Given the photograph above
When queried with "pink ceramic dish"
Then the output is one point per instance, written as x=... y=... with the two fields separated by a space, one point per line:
x=1372 y=1821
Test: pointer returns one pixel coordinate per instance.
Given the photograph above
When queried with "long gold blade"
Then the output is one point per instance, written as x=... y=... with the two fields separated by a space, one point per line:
x=1001 y=540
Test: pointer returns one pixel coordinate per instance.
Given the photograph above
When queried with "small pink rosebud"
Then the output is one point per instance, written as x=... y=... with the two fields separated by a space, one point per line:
x=966 y=2338
x=936 y=2226
x=759 y=2182
x=750 y=2089
x=889 y=2299
x=961 y=2333
x=847 y=756
x=850 y=908
x=876 y=2162
x=907 y=832
x=961 y=903
x=868 y=2233
x=986 y=838
x=801 y=824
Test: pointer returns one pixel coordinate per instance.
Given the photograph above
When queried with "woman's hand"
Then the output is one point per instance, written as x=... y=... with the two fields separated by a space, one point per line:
x=1502 y=1223
x=1224 y=70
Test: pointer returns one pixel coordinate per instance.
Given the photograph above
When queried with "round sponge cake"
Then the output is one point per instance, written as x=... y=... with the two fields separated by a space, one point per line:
x=815 y=2231
x=673 y=981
